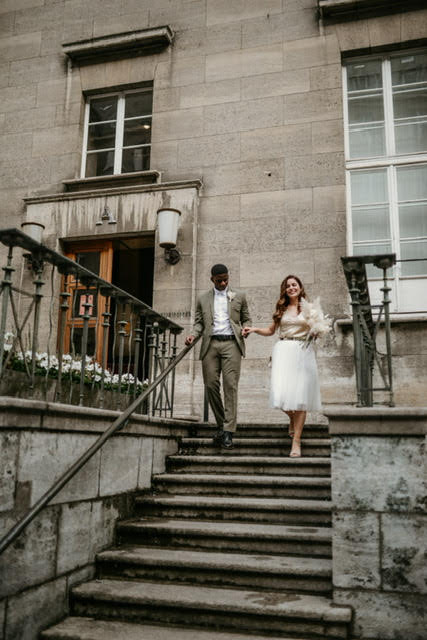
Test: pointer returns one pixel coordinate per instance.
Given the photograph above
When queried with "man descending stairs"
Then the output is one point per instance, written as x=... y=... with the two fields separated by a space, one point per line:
x=230 y=545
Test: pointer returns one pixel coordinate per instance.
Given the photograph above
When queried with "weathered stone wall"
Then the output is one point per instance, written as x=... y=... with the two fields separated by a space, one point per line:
x=39 y=442
x=379 y=493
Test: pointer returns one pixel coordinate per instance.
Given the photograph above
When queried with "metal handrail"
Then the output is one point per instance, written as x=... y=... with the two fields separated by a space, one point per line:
x=68 y=475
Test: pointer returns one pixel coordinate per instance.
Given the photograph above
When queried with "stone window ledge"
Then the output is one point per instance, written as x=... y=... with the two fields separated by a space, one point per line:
x=395 y=318
x=337 y=10
x=106 y=182
x=120 y=45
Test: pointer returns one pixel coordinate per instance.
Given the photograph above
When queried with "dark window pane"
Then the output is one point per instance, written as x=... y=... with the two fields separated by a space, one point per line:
x=89 y=260
x=366 y=141
x=364 y=75
x=369 y=250
x=81 y=297
x=76 y=341
x=101 y=136
x=416 y=253
x=409 y=69
x=137 y=132
x=411 y=136
x=413 y=220
x=371 y=223
x=100 y=164
x=102 y=109
x=138 y=104
x=368 y=108
x=136 y=159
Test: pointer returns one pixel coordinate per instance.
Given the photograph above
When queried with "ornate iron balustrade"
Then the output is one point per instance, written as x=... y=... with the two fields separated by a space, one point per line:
x=365 y=326
x=141 y=341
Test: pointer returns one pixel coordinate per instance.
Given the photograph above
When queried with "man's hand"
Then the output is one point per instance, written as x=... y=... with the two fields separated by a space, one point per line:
x=189 y=340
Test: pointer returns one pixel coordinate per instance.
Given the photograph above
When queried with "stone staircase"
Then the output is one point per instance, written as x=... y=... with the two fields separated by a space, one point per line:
x=230 y=545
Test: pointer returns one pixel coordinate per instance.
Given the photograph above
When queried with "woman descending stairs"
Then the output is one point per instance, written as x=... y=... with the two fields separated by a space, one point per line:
x=229 y=545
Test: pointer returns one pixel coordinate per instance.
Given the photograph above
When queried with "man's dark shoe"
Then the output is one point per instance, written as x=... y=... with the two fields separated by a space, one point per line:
x=227 y=440
x=217 y=439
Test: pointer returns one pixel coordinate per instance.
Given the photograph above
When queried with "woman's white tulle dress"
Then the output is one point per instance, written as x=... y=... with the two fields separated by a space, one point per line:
x=294 y=377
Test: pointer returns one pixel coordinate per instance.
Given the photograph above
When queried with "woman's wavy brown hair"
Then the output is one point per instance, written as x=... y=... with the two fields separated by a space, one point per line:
x=283 y=301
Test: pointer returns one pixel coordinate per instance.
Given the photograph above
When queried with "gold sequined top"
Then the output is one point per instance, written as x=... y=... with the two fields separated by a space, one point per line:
x=293 y=326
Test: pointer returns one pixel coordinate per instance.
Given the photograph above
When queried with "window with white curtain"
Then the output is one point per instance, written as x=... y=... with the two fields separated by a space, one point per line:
x=117 y=133
x=386 y=161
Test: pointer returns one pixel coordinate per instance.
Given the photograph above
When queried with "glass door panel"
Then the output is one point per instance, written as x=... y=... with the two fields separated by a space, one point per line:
x=96 y=257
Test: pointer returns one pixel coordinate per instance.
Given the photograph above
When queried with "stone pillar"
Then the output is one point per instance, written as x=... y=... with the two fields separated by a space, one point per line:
x=380 y=519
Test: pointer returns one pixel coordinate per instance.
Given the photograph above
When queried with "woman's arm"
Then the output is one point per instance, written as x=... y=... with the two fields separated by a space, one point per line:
x=269 y=331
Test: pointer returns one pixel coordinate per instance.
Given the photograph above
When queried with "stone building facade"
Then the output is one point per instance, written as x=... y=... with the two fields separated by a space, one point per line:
x=272 y=125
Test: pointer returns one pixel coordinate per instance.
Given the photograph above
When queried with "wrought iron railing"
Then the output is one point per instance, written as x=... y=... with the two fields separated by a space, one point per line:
x=129 y=346
x=365 y=326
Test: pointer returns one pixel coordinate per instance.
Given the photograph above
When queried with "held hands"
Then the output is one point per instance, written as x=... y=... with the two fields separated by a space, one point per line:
x=246 y=331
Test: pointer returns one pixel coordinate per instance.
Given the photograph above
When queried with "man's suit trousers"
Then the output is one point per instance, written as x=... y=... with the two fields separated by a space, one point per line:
x=223 y=357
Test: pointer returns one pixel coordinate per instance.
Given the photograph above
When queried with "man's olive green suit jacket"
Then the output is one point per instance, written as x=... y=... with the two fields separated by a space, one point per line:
x=238 y=313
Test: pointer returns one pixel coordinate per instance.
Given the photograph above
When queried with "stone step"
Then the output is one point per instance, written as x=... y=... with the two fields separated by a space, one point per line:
x=271 y=465
x=232 y=508
x=212 y=607
x=78 y=628
x=262 y=431
x=306 y=487
x=285 y=573
x=278 y=539
x=256 y=446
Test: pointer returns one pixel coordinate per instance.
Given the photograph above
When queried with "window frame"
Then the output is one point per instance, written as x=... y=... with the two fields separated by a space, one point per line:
x=390 y=162
x=120 y=120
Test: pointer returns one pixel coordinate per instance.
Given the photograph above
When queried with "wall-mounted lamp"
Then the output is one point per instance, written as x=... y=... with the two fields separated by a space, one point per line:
x=167 y=224
x=35 y=231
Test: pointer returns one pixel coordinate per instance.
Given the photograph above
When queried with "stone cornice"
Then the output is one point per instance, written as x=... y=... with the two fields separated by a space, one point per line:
x=120 y=45
x=342 y=10
x=115 y=191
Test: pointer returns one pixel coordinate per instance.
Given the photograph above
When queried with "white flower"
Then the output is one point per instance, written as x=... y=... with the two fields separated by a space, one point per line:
x=231 y=295
x=319 y=323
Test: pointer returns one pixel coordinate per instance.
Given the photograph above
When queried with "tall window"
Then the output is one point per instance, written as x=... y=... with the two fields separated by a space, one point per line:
x=117 y=137
x=386 y=159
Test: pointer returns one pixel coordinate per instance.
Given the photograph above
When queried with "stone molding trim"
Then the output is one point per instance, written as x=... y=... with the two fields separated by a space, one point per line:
x=114 y=181
x=120 y=45
x=395 y=318
x=22 y=414
x=377 y=421
x=342 y=10
x=119 y=190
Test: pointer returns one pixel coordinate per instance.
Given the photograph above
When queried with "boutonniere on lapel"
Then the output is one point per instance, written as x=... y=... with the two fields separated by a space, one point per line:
x=231 y=295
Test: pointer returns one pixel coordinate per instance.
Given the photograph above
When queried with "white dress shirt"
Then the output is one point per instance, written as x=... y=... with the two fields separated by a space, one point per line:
x=222 y=326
